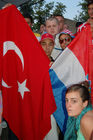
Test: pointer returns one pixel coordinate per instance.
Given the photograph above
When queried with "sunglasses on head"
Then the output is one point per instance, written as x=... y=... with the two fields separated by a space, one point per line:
x=67 y=39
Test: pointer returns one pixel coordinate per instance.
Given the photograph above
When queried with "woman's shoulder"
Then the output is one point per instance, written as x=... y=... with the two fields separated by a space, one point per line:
x=87 y=118
x=86 y=124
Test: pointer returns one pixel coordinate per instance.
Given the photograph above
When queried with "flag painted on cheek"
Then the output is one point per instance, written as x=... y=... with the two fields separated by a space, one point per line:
x=73 y=66
x=28 y=100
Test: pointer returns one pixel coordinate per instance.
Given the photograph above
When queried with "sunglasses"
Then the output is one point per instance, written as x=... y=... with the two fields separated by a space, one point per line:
x=67 y=39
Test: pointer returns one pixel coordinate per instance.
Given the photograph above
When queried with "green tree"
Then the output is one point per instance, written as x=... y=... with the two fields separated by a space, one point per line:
x=59 y=9
x=40 y=11
x=83 y=16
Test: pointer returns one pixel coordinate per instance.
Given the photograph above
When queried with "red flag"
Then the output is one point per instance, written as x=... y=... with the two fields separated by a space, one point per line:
x=82 y=46
x=28 y=101
x=90 y=60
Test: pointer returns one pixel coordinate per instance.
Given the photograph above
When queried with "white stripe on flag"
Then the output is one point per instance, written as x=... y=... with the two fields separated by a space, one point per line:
x=68 y=68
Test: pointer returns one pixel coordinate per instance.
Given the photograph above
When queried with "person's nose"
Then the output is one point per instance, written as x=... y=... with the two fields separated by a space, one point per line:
x=68 y=104
x=52 y=28
x=47 y=46
x=64 y=41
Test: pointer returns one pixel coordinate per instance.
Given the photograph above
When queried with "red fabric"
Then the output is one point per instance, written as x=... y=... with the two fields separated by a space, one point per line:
x=82 y=47
x=90 y=63
x=24 y=61
x=46 y=35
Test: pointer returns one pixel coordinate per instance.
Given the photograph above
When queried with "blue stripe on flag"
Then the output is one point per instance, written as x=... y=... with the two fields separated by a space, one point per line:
x=59 y=90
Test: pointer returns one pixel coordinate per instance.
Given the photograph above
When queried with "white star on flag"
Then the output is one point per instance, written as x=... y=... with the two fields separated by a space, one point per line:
x=22 y=88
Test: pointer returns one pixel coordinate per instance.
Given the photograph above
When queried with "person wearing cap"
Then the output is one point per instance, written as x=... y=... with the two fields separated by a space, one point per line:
x=47 y=43
x=65 y=38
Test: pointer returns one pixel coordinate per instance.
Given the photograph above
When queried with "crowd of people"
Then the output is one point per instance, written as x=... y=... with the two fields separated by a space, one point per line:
x=54 y=36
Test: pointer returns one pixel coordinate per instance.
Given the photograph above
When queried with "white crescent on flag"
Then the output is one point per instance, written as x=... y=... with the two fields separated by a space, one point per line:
x=9 y=45
x=5 y=85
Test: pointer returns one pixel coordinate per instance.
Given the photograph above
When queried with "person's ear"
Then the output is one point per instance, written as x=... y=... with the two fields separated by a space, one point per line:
x=85 y=104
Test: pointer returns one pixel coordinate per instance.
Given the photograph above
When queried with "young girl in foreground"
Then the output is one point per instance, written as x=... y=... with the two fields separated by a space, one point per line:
x=80 y=112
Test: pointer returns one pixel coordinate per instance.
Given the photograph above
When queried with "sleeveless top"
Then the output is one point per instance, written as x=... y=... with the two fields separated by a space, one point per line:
x=79 y=135
x=73 y=125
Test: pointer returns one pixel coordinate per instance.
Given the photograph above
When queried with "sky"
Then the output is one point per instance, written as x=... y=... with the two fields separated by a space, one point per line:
x=72 y=7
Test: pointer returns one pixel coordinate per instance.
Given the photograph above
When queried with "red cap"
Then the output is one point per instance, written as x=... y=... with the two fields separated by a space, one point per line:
x=46 y=35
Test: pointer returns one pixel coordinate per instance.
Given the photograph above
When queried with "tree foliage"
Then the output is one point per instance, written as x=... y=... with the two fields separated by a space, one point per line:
x=83 y=16
x=40 y=11
x=59 y=9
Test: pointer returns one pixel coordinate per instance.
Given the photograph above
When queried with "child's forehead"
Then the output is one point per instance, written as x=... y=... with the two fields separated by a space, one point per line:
x=73 y=94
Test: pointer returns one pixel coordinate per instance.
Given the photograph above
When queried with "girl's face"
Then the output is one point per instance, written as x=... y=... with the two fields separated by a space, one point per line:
x=64 y=40
x=74 y=103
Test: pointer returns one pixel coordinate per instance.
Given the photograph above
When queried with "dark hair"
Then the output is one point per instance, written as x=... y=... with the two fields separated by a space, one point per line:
x=42 y=24
x=57 y=15
x=89 y=2
x=28 y=16
x=82 y=89
x=63 y=34
x=78 y=24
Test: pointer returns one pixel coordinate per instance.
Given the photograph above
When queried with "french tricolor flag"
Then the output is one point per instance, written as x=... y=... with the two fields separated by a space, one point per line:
x=74 y=65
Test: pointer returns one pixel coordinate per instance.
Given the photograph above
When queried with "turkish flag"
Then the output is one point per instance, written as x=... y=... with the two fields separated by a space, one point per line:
x=28 y=100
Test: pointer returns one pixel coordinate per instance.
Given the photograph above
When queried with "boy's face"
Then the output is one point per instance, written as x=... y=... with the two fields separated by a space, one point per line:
x=90 y=11
x=48 y=45
x=52 y=27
